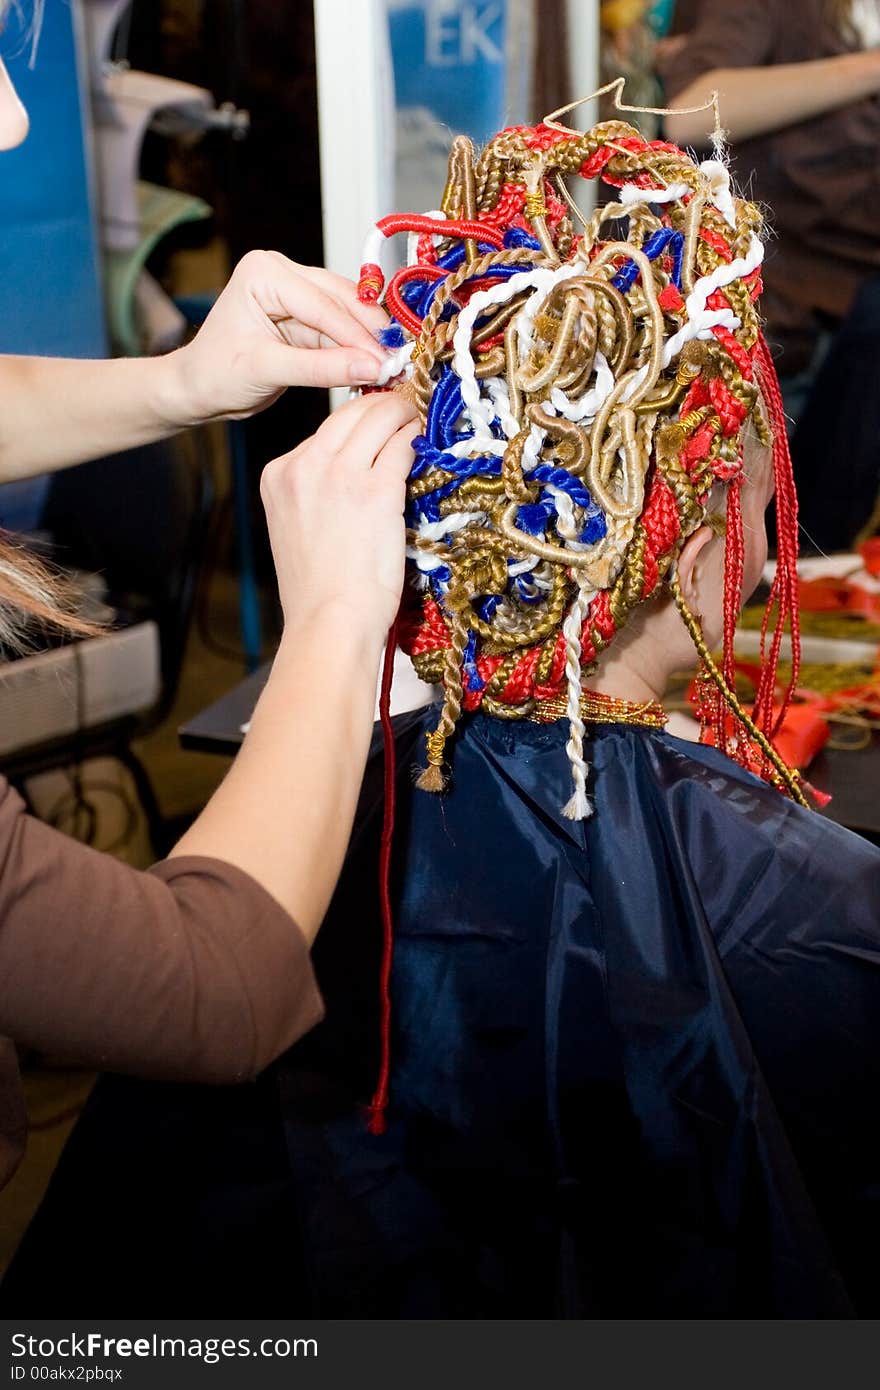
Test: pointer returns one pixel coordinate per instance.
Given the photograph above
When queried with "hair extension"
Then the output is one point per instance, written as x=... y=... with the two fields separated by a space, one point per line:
x=581 y=397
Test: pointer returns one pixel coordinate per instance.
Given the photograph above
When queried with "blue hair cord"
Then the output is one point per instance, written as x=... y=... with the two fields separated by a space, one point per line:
x=447 y=382
x=565 y=481
x=533 y=517
x=473 y=680
x=653 y=247
x=527 y=590
x=393 y=336
x=452 y=408
x=427 y=508
x=423 y=452
x=516 y=237
x=455 y=258
x=429 y=456
x=596 y=527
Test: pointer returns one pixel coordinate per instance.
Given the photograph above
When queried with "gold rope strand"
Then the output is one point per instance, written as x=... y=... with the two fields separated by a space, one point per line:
x=789 y=777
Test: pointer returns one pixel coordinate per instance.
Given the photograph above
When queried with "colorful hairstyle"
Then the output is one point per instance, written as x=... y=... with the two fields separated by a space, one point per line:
x=581 y=396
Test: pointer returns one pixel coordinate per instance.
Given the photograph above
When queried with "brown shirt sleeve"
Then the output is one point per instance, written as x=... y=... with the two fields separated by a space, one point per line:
x=723 y=36
x=190 y=971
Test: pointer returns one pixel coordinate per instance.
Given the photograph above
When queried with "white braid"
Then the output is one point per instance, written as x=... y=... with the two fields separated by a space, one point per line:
x=631 y=195
x=455 y=521
x=566 y=525
x=517 y=567
x=578 y=808
x=587 y=406
x=497 y=389
x=724 y=274
x=532 y=448
x=476 y=445
x=396 y=362
x=479 y=410
x=718 y=176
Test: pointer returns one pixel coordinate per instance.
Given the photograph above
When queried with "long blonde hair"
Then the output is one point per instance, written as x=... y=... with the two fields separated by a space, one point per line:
x=35 y=600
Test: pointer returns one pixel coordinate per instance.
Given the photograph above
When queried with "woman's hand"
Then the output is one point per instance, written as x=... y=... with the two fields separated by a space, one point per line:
x=335 y=512
x=284 y=812
x=276 y=324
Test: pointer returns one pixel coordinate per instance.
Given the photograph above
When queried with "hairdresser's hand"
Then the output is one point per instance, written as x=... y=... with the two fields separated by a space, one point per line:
x=335 y=513
x=276 y=324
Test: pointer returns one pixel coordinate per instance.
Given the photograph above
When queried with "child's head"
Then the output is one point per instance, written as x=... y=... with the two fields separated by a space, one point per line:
x=594 y=420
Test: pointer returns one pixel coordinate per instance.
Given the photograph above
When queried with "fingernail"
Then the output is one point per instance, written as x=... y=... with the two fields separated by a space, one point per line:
x=362 y=370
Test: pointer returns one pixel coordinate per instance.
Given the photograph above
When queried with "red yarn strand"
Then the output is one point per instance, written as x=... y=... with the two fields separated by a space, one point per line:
x=376 y=1123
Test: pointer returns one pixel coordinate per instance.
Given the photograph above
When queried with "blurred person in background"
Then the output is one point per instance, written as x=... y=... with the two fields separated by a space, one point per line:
x=805 y=141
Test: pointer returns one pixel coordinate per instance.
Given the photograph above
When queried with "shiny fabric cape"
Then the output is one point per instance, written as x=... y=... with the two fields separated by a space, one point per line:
x=635 y=1065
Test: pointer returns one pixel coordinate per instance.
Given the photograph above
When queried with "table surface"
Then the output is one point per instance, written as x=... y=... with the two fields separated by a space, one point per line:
x=852 y=778
x=217 y=728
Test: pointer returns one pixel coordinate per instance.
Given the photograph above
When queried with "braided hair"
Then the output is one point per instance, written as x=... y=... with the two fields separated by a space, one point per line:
x=581 y=396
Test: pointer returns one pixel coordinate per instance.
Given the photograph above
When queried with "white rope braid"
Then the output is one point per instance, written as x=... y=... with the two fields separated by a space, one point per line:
x=578 y=808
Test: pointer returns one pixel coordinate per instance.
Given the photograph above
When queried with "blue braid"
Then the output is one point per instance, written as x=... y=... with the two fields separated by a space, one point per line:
x=565 y=481
x=653 y=247
x=516 y=237
x=446 y=384
x=473 y=680
x=393 y=336
x=527 y=590
x=429 y=456
x=452 y=408
x=427 y=508
x=534 y=517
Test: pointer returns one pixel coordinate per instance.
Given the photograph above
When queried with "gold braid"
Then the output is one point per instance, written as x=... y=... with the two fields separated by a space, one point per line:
x=788 y=778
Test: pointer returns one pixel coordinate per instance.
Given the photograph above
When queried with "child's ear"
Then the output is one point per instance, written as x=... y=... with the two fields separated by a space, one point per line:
x=691 y=561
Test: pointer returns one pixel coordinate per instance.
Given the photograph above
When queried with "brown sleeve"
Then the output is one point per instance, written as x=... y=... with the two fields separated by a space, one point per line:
x=189 y=971
x=725 y=35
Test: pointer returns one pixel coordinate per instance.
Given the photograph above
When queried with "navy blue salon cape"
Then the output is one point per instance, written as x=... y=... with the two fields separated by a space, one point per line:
x=635 y=1066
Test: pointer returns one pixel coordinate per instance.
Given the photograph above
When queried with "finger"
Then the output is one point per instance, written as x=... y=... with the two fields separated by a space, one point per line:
x=281 y=290
x=297 y=334
x=345 y=423
x=371 y=316
x=395 y=459
x=279 y=364
x=365 y=442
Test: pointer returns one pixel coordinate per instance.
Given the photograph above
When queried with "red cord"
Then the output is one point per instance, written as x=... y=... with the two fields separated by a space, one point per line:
x=379 y=1103
x=784 y=591
x=397 y=305
x=451 y=227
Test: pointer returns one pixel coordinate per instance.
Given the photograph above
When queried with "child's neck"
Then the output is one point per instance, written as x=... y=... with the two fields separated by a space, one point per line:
x=618 y=677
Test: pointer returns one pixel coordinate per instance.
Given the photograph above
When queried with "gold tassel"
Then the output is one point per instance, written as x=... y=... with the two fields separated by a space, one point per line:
x=431 y=779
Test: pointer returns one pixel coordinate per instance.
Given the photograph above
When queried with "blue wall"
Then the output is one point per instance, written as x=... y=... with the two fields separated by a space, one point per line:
x=50 y=296
x=450 y=57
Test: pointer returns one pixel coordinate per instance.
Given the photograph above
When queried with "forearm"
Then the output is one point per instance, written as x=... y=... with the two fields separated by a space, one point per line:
x=756 y=101
x=55 y=412
x=285 y=810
